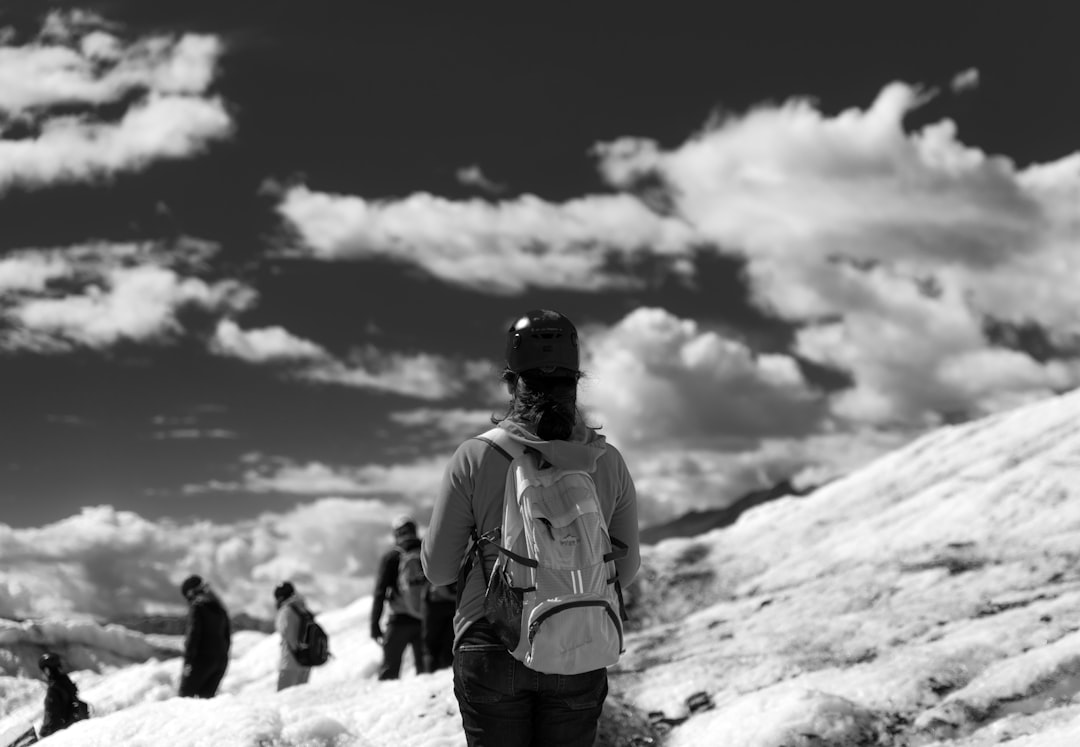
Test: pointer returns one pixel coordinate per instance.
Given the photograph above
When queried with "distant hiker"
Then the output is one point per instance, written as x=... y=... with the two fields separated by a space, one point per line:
x=62 y=704
x=206 y=640
x=511 y=690
x=440 y=603
x=291 y=613
x=401 y=583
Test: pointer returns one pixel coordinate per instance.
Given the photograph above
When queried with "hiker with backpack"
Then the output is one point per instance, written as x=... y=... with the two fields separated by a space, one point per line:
x=401 y=584
x=291 y=621
x=537 y=520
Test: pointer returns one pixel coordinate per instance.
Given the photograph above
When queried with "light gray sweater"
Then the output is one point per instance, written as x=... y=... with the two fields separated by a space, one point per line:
x=471 y=495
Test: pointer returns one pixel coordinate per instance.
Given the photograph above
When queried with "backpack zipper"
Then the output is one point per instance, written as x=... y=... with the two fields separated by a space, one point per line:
x=534 y=626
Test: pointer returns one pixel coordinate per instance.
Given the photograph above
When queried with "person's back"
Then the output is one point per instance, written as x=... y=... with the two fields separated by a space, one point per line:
x=403 y=625
x=287 y=624
x=501 y=700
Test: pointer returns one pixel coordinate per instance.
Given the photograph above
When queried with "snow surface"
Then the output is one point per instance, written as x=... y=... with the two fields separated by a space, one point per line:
x=931 y=598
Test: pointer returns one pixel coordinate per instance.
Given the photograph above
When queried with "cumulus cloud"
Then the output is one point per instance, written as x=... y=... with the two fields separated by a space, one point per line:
x=78 y=65
x=138 y=304
x=502 y=247
x=890 y=251
x=75 y=149
x=103 y=562
x=30 y=272
x=421 y=375
x=473 y=176
x=98 y=295
x=654 y=378
x=454 y=423
x=263 y=345
x=278 y=475
x=672 y=481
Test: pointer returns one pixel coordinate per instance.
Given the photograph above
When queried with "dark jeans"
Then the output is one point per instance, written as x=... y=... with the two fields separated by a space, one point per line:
x=401 y=632
x=203 y=680
x=439 y=635
x=503 y=703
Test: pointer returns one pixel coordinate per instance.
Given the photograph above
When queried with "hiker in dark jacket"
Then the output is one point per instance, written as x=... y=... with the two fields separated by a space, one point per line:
x=206 y=640
x=402 y=628
x=287 y=624
x=61 y=696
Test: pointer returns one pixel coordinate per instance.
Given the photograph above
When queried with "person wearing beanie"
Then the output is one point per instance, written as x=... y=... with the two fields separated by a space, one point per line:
x=287 y=624
x=207 y=638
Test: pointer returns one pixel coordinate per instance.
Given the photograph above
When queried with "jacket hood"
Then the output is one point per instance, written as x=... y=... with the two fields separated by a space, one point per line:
x=581 y=451
x=296 y=598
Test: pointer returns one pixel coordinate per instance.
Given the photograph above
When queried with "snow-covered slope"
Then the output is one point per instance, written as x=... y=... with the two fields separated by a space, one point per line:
x=932 y=593
x=344 y=704
x=932 y=598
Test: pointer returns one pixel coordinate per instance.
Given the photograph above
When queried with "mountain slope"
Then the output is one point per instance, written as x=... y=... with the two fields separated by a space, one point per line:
x=935 y=591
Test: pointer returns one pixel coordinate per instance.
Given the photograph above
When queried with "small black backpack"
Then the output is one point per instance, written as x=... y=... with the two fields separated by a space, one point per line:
x=313 y=645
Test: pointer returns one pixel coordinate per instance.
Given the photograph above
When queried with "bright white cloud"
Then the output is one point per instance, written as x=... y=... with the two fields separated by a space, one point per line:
x=103 y=562
x=74 y=149
x=653 y=378
x=454 y=424
x=263 y=345
x=421 y=375
x=890 y=250
x=110 y=293
x=501 y=247
x=75 y=62
x=98 y=68
x=30 y=272
x=412 y=481
x=138 y=304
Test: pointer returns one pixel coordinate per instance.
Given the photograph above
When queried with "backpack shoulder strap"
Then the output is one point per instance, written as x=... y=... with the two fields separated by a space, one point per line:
x=501 y=441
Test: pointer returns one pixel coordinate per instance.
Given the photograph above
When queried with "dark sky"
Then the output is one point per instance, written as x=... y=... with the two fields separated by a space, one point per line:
x=391 y=100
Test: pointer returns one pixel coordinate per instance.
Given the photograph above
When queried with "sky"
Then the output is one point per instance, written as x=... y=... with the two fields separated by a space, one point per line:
x=258 y=258
x=928 y=598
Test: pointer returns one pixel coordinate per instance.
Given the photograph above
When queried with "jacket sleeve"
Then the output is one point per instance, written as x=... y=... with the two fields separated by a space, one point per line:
x=193 y=639
x=624 y=520
x=385 y=579
x=290 y=627
x=452 y=523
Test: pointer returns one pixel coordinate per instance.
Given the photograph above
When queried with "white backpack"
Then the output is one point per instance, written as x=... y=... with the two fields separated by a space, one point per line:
x=553 y=595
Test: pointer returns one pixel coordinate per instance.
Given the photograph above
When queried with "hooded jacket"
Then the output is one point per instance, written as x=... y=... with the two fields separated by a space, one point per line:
x=287 y=625
x=471 y=497
x=60 y=697
x=209 y=632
